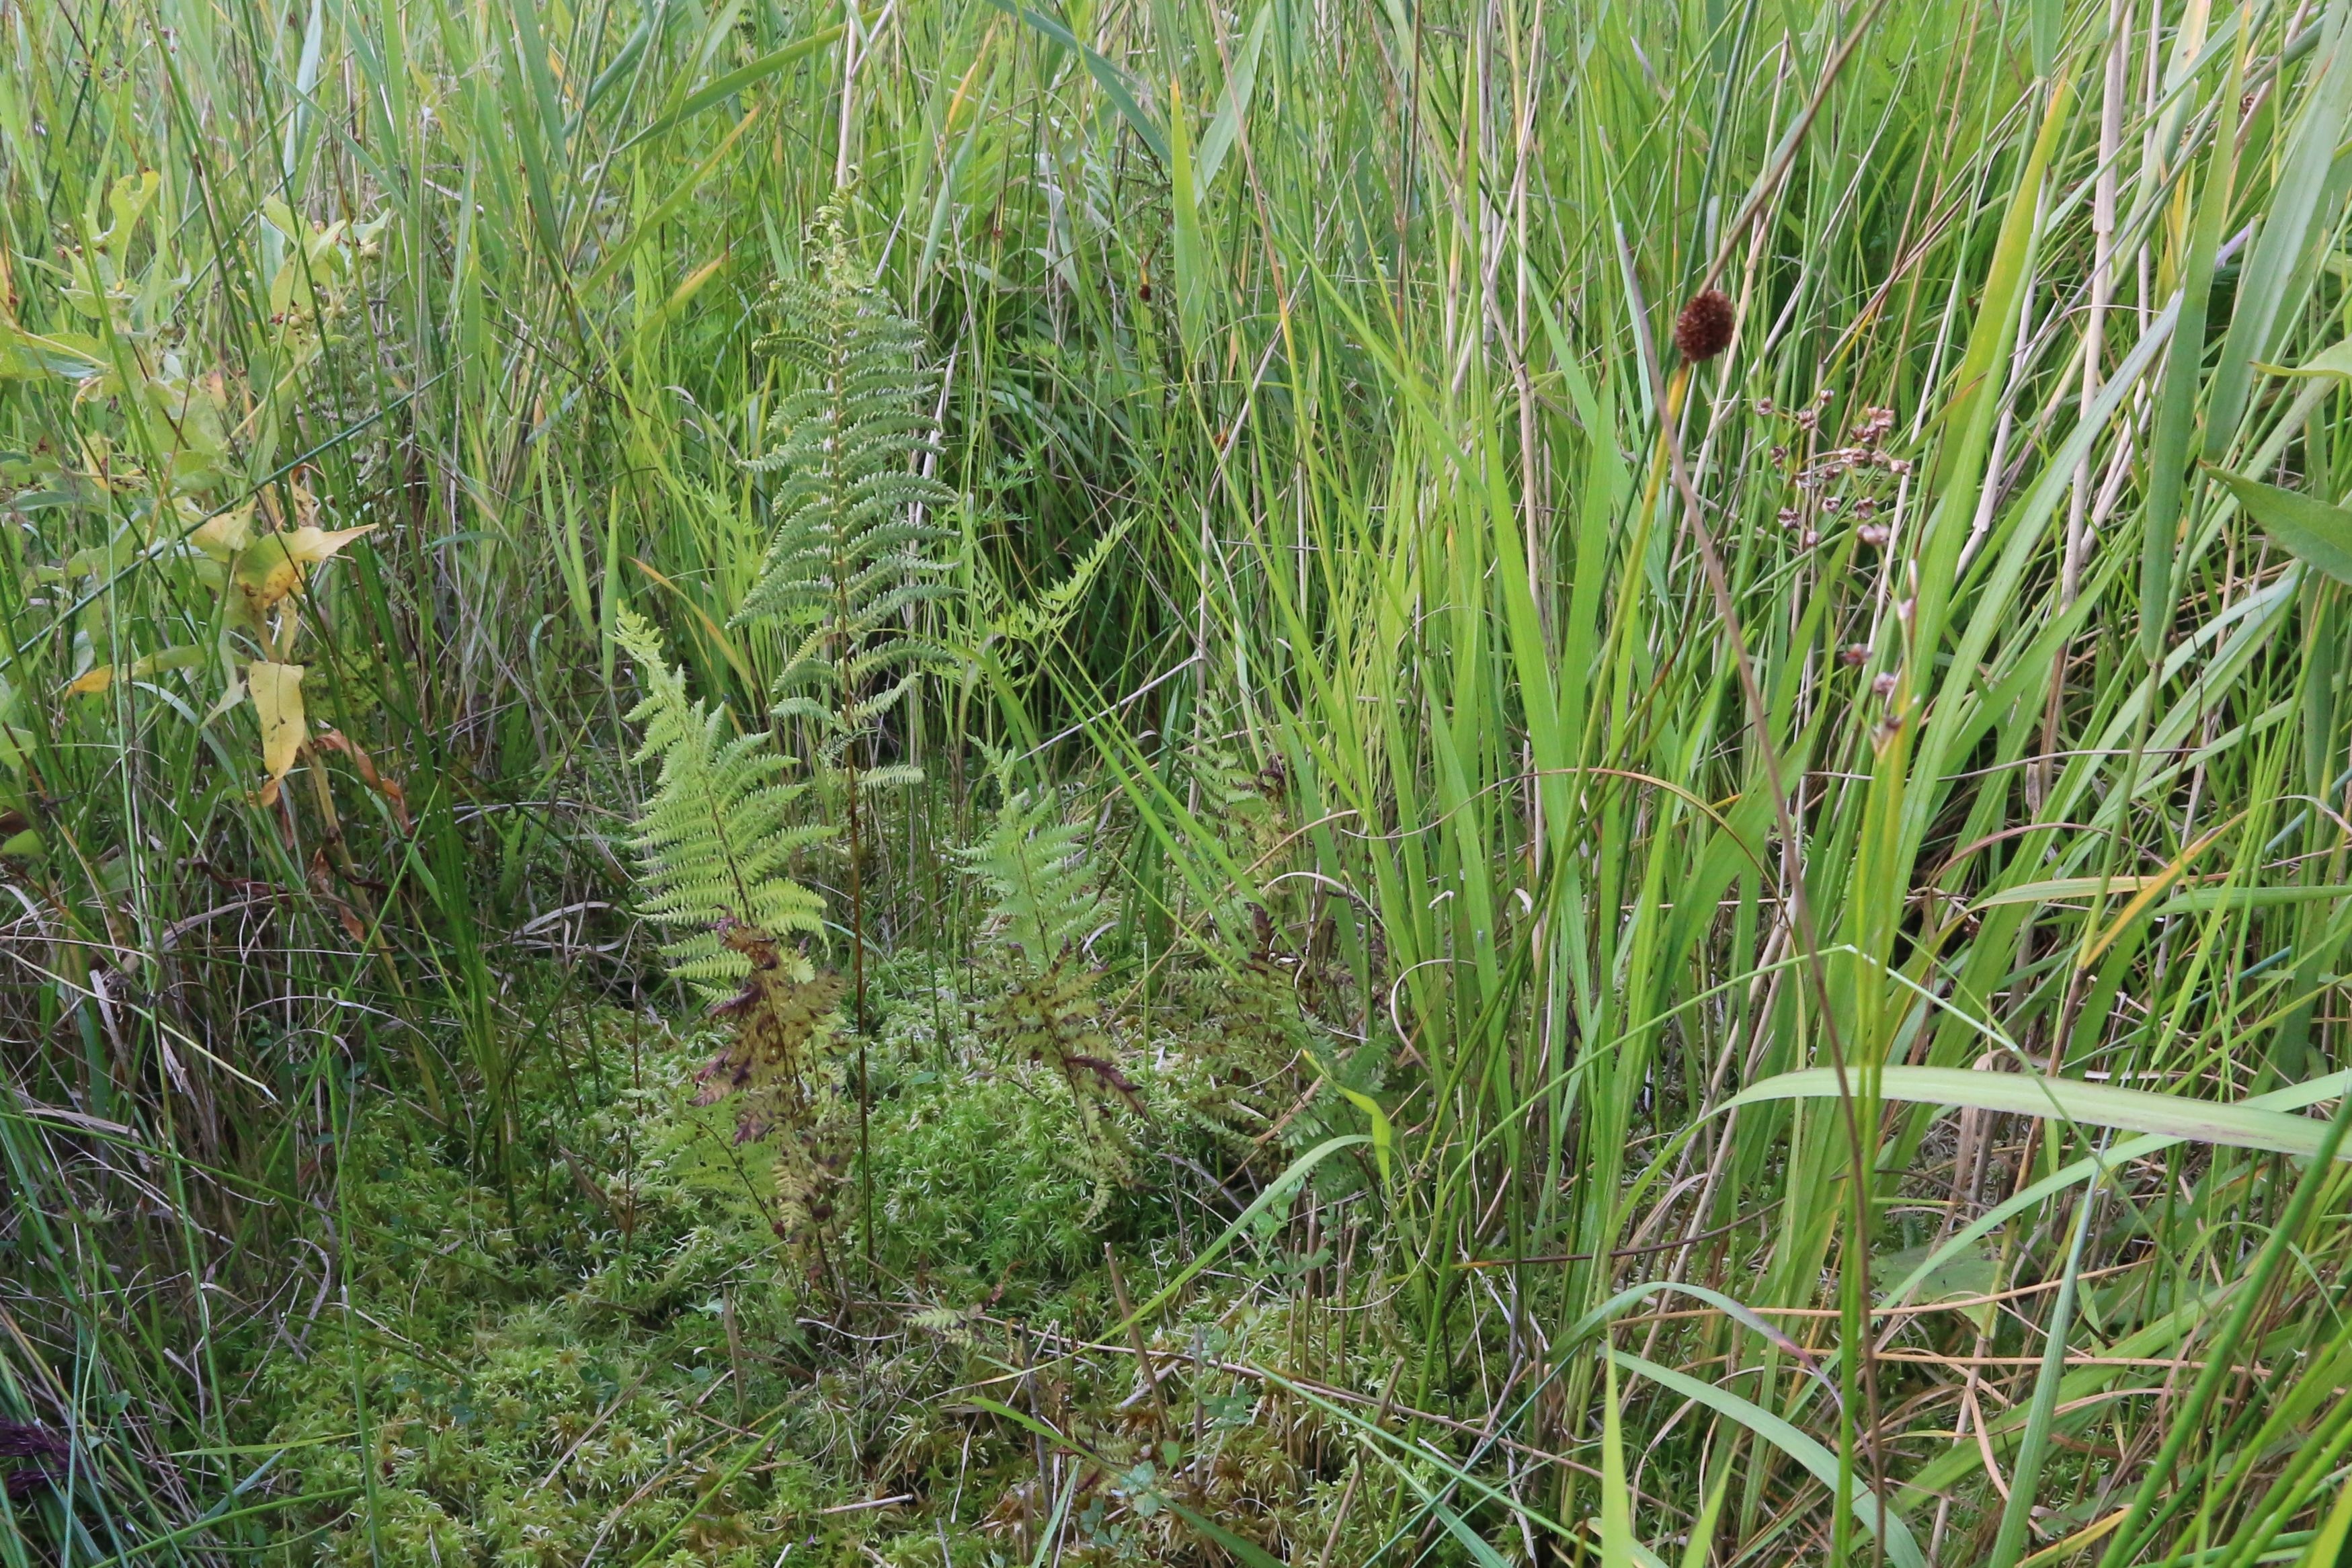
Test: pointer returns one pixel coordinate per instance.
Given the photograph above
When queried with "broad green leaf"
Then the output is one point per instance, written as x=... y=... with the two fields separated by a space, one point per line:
x=2305 y=527
x=2177 y=404
x=1964 y=1275
x=1695 y=1551
x=2064 y=888
x=1218 y=140
x=671 y=204
x=2292 y=224
x=720 y=88
x=2063 y=1099
x=2334 y=360
x=1616 y=1502
x=1191 y=245
x=1978 y=383
x=2292 y=1098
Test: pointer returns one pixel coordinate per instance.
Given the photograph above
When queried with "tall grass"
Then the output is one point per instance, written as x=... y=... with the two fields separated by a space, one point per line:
x=1898 y=689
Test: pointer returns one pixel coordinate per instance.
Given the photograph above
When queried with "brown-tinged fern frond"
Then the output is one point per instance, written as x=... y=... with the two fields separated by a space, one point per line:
x=1052 y=1017
x=774 y=1059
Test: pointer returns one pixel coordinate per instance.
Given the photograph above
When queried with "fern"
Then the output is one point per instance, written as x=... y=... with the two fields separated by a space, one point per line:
x=1032 y=864
x=1042 y=907
x=856 y=552
x=713 y=842
x=1015 y=631
x=1052 y=1019
x=714 y=839
x=783 y=1022
x=1237 y=809
x=1251 y=1045
x=856 y=547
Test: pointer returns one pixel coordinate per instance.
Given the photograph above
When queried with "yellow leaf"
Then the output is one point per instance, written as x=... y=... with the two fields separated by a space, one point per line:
x=310 y=544
x=98 y=678
x=278 y=698
x=265 y=576
x=222 y=536
x=1383 y=1133
x=272 y=567
x=2153 y=890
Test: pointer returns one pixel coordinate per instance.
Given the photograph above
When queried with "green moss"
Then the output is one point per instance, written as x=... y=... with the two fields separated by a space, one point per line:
x=543 y=1378
x=607 y=1353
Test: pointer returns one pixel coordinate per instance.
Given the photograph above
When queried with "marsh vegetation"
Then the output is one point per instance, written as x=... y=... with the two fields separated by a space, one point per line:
x=968 y=783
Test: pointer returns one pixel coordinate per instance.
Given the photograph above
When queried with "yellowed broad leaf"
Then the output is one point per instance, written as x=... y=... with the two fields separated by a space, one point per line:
x=101 y=677
x=272 y=567
x=265 y=576
x=310 y=544
x=277 y=691
x=221 y=536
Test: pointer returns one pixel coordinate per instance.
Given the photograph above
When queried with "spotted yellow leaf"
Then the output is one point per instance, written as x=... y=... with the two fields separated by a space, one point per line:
x=277 y=691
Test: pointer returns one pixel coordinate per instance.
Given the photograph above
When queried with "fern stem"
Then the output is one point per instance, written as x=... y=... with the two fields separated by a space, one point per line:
x=846 y=698
x=857 y=991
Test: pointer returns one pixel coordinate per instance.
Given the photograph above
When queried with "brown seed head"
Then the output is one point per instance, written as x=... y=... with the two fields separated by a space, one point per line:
x=1704 y=328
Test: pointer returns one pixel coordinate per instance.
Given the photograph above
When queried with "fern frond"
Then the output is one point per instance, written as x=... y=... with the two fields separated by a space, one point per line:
x=1030 y=623
x=1042 y=907
x=892 y=775
x=1052 y=1019
x=1241 y=829
x=857 y=547
x=1032 y=864
x=716 y=837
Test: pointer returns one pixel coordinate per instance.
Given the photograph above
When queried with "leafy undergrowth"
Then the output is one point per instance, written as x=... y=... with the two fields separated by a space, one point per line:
x=615 y=1358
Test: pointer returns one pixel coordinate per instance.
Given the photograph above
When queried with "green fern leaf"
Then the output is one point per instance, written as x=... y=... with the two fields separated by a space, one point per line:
x=1032 y=864
x=857 y=549
x=716 y=837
